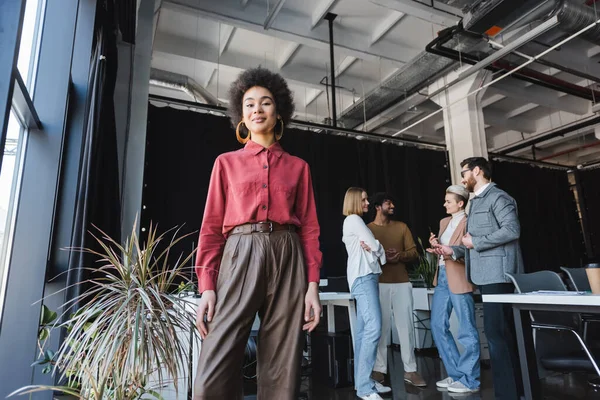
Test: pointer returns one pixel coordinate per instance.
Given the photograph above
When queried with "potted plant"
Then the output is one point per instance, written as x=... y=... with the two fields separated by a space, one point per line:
x=426 y=266
x=129 y=325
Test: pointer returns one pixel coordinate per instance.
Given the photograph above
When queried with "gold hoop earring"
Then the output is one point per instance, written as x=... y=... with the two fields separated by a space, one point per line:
x=280 y=134
x=242 y=140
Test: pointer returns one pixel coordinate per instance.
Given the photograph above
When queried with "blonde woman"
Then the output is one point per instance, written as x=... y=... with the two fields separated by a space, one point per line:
x=365 y=256
x=454 y=292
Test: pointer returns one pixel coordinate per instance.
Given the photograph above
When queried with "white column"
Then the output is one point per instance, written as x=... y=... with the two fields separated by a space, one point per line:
x=463 y=117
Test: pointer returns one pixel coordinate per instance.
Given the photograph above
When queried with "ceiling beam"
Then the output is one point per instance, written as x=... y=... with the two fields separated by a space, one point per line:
x=521 y=110
x=498 y=118
x=593 y=52
x=344 y=65
x=290 y=26
x=384 y=26
x=302 y=75
x=226 y=35
x=273 y=14
x=489 y=100
x=210 y=77
x=541 y=96
x=421 y=11
x=320 y=11
x=287 y=54
x=392 y=112
x=312 y=97
x=566 y=57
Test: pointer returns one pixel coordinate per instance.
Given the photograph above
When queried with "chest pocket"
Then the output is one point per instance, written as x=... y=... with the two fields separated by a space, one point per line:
x=480 y=219
x=242 y=188
x=282 y=190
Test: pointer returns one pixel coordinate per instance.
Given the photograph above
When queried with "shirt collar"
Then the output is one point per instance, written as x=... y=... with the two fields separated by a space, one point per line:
x=482 y=189
x=256 y=148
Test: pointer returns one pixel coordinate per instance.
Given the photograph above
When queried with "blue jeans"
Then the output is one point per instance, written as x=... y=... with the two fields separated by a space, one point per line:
x=464 y=367
x=367 y=332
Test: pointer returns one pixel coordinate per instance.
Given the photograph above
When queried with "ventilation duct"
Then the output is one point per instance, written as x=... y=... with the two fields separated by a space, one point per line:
x=427 y=67
x=495 y=16
x=172 y=80
x=412 y=77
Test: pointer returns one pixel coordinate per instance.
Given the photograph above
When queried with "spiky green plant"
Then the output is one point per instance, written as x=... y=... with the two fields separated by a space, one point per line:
x=127 y=326
x=426 y=265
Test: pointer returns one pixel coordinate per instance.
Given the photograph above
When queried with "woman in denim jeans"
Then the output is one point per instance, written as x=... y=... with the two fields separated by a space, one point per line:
x=454 y=292
x=365 y=254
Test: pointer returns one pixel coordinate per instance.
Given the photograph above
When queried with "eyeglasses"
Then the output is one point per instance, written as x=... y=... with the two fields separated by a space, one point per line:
x=462 y=173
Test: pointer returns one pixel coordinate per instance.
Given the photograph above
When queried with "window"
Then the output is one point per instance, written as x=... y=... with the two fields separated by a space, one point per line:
x=9 y=184
x=13 y=152
x=29 y=41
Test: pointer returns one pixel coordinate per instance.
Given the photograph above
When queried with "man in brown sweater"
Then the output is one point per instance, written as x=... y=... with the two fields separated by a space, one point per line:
x=395 y=290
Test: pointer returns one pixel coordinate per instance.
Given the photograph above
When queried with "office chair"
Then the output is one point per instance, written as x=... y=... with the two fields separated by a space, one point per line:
x=563 y=354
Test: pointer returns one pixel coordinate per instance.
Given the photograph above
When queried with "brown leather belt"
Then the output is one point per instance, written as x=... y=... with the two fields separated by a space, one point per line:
x=262 y=227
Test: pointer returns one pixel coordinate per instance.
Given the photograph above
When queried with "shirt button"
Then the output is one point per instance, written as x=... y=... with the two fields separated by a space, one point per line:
x=264 y=185
x=264 y=207
x=265 y=166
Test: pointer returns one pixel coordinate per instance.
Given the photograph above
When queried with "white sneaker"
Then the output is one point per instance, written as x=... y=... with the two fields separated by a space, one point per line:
x=458 y=387
x=372 y=396
x=381 y=388
x=444 y=383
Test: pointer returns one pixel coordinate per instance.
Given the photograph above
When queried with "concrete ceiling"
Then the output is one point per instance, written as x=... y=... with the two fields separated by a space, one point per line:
x=211 y=42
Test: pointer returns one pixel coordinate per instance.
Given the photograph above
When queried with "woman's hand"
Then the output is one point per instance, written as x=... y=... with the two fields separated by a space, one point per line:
x=433 y=240
x=365 y=246
x=312 y=307
x=205 y=307
x=440 y=250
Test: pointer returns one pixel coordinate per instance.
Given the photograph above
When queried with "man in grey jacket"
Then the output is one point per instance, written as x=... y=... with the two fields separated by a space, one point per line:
x=490 y=249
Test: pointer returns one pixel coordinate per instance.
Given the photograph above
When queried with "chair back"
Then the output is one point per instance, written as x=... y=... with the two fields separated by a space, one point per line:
x=549 y=343
x=543 y=280
x=578 y=278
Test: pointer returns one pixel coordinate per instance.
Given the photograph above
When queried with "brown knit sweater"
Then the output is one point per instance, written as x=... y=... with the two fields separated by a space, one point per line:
x=395 y=235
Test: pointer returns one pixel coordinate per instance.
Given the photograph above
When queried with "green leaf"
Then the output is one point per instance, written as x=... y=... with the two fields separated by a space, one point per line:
x=47 y=369
x=47 y=316
x=43 y=335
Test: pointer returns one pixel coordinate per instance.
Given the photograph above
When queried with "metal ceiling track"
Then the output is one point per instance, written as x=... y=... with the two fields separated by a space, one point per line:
x=311 y=126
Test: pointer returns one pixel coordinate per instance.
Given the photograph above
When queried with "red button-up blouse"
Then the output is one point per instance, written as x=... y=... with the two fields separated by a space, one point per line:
x=256 y=184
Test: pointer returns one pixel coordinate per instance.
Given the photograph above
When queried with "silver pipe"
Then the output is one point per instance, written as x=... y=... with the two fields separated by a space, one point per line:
x=508 y=73
x=172 y=80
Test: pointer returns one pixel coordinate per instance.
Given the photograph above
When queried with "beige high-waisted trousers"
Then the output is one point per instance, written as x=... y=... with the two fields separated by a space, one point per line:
x=264 y=273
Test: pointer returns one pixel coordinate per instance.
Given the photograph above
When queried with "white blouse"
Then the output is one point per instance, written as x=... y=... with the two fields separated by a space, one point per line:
x=447 y=235
x=360 y=261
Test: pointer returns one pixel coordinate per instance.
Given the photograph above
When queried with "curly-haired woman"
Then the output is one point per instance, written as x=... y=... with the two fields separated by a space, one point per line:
x=258 y=250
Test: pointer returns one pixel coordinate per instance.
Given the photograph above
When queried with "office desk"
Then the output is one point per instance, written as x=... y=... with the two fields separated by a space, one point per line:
x=342 y=299
x=522 y=303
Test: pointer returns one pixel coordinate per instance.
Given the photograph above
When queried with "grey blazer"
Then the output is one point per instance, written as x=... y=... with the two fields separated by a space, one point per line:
x=494 y=225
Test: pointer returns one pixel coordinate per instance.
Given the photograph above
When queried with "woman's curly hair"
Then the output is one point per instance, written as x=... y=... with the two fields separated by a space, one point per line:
x=283 y=98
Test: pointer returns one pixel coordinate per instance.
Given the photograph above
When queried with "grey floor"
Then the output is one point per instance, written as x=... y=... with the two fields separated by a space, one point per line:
x=554 y=387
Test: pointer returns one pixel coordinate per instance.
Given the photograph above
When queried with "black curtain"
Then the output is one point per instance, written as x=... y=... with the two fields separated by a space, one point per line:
x=550 y=231
x=98 y=198
x=590 y=184
x=182 y=146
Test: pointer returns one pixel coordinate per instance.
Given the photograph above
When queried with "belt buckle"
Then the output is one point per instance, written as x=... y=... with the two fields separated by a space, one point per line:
x=270 y=227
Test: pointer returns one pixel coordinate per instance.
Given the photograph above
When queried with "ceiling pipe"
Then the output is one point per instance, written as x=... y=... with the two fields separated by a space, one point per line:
x=172 y=80
x=508 y=73
x=436 y=46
